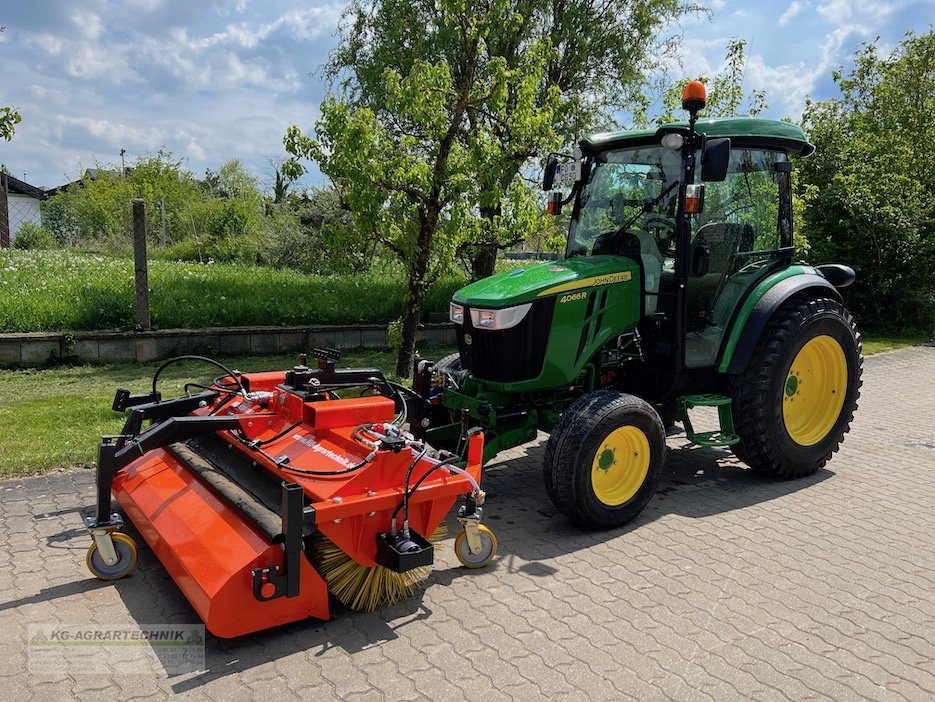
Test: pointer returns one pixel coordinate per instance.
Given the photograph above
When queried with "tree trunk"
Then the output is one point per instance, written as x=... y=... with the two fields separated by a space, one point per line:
x=484 y=257
x=407 y=351
x=428 y=220
x=483 y=262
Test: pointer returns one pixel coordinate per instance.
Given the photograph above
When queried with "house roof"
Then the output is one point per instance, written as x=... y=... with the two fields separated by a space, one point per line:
x=21 y=187
x=89 y=174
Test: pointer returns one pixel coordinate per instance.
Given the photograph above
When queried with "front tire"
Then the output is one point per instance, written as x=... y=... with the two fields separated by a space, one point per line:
x=606 y=460
x=795 y=401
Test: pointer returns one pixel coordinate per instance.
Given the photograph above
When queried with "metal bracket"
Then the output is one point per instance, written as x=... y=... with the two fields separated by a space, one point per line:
x=275 y=581
x=470 y=521
x=100 y=532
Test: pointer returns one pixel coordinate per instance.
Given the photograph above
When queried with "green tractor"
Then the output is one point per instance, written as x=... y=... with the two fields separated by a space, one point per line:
x=678 y=289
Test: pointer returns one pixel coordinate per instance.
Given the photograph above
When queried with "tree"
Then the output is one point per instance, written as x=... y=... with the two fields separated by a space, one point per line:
x=601 y=51
x=322 y=238
x=407 y=173
x=869 y=190
x=224 y=207
x=427 y=143
x=98 y=208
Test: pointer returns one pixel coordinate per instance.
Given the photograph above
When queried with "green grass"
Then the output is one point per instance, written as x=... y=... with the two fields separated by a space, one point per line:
x=878 y=344
x=54 y=418
x=64 y=290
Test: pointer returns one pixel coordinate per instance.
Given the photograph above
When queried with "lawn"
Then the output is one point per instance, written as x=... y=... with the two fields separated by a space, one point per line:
x=65 y=290
x=879 y=344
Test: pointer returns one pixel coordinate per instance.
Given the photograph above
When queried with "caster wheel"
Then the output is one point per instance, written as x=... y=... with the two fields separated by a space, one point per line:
x=126 y=559
x=487 y=551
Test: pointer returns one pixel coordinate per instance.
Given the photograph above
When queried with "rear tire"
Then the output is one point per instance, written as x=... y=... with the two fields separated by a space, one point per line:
x=606 y=460
x=795 y=401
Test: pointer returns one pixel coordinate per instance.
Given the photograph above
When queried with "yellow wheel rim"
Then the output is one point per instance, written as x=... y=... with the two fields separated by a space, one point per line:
x=813 y=394
x=620 y=465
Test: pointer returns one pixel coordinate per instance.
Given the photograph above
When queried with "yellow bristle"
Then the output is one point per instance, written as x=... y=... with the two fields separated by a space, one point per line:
x=361 y=588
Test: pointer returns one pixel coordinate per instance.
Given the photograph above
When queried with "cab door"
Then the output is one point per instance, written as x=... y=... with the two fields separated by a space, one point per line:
x=744 y=233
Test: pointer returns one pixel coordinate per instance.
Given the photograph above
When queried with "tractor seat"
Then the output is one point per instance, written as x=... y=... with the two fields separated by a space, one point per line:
x=641 y=248
x=724 y=239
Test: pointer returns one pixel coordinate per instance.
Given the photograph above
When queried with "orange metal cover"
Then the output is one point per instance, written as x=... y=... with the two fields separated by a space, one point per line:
x=209 y=549
x=349 y=412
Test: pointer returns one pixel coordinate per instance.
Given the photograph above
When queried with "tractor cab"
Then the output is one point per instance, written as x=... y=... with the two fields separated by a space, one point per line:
x=705 y=213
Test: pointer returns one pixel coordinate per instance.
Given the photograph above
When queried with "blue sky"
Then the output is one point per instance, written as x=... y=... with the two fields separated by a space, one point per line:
x=211 y=81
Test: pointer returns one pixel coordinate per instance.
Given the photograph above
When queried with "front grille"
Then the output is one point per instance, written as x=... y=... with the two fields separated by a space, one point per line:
x=508 y=355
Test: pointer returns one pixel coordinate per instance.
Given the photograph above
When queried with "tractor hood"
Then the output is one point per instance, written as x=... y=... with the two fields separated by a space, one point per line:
x=544 y=279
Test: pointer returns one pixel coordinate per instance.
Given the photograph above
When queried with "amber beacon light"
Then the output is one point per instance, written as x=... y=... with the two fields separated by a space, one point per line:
x=694 y=96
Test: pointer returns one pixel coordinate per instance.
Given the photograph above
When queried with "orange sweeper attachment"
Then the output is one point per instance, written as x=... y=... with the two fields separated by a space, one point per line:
x=264 y=493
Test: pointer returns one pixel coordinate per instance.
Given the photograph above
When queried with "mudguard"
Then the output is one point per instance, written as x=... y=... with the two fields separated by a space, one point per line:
x=734 y=360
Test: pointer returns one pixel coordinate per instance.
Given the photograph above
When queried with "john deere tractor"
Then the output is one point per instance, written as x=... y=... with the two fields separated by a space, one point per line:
x=679 y=289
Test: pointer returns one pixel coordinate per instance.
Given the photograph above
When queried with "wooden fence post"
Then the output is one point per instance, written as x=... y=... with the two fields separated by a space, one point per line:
x=4 y=213
x=139 y=260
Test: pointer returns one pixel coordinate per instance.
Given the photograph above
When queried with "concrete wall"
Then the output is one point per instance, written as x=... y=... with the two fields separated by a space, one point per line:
x=108 y=347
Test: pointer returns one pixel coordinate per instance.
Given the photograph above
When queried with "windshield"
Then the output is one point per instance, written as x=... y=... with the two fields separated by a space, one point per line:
x=620 y=184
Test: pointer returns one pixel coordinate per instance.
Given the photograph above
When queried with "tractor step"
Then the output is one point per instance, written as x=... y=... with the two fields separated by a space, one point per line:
x=725 y=436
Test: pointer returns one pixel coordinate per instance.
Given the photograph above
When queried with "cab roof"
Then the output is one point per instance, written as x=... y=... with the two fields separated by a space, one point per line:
x=742 y=131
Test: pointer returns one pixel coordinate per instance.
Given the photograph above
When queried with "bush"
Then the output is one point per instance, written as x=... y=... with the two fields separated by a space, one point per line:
x=313 y=234
x=32 y=237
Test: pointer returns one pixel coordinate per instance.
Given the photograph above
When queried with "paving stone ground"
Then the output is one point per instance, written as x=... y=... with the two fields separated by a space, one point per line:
x=729 y=586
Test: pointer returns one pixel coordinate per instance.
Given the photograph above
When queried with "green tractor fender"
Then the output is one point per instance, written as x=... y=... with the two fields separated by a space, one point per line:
x=759 y=307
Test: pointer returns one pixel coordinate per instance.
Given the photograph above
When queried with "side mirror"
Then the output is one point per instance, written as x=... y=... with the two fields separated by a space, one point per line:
x=548 y=177
x=715 y=160
x=701 y=259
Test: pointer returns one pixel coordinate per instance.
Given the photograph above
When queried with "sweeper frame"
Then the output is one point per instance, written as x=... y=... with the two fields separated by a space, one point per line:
x=264 y=493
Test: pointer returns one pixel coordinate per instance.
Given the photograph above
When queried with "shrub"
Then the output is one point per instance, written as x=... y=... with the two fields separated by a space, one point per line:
x=31 y=236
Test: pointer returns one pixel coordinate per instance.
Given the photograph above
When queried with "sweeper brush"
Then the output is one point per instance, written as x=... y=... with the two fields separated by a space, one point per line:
x=263 y=493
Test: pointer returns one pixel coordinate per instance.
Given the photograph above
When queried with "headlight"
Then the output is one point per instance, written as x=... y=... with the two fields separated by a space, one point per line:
x=499 y=319
x=456 y=313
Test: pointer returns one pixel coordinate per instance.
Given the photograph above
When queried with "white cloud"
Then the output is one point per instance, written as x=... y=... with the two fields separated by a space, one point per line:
x=793 y=9
x=47 y=43
x=858 y=16
x=88 y=23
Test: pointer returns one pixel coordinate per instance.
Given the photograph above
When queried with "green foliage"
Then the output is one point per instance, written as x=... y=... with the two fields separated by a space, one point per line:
x=869 y=190
x=9 y=118
x=599 y=52
x=214 y=215
x=314 y=233
x=410 y=173
x=394 y=334
x=99 y=209
x=31 y=236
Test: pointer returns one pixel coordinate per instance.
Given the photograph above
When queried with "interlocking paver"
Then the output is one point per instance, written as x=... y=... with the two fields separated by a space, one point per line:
x=729 y=586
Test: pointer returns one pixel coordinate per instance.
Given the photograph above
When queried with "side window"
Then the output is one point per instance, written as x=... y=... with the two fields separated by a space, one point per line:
x=741 y=230
x=742 y=213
